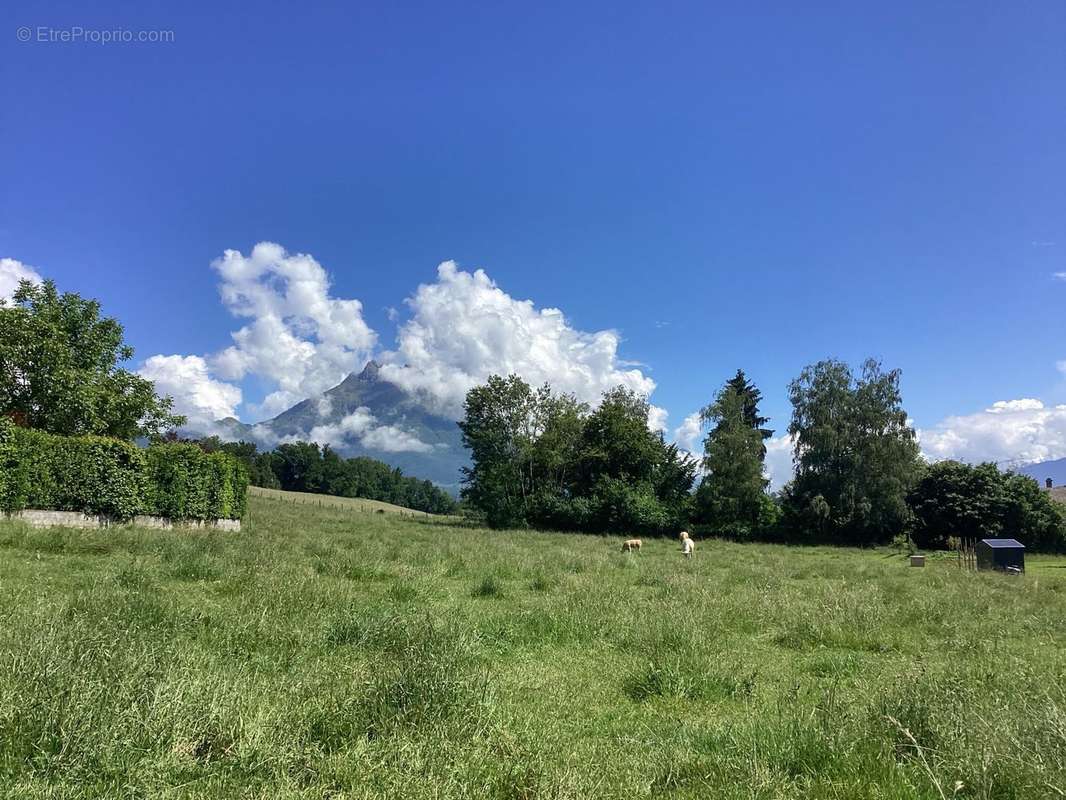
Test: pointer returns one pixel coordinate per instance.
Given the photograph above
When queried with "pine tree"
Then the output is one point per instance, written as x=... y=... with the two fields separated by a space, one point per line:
x=750 y=398
x=732 y=498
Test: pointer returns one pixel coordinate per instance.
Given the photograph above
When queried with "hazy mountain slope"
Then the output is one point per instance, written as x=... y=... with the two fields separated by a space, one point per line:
x=1056 y=470
x=389 y=405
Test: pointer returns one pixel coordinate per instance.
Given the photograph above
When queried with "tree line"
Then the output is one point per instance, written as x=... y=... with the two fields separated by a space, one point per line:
x=306 y=467
x=546 y=460
x=60 y=373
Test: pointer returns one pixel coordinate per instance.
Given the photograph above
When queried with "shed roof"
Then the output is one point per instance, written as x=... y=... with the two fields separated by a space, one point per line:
x=1003 y=543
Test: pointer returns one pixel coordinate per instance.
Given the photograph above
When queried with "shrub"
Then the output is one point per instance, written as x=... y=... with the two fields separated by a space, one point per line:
x=8 y=465
x=187 y=483
x=92 y=474
x=100 y=475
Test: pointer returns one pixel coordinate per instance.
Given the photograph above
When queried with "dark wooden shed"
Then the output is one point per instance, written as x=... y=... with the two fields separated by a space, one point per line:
x=1002 y=554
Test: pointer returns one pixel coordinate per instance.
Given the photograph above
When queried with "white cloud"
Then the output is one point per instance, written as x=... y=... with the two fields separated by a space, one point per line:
x=657 y=419
x=464 y=328
x=362 y=426
x=196 y=394
x=1008 y=432
x=11 y=272
x=689 y=434
x=300 y=337
x=778 y=467
x=1059 y=275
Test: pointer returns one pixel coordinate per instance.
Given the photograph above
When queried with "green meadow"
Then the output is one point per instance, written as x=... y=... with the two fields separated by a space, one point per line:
x=324 y=652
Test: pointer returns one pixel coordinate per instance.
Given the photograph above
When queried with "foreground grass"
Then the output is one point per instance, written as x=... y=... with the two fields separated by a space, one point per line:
x=325 y=653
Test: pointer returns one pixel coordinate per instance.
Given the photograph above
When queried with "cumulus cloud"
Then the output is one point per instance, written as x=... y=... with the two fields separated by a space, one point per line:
x=11 y=272
x=362 y=426
x=689 y=434
x=196 y=394
x=657 y=419
x=464 y=328
x=778 y=467
x=1009 y=432
x=300 y=337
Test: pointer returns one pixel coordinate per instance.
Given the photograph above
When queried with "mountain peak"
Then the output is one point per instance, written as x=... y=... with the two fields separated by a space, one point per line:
x=370 y=372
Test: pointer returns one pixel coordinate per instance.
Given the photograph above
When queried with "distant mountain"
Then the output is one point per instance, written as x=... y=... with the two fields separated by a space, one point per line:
x=1056 y=470
x=400 y=422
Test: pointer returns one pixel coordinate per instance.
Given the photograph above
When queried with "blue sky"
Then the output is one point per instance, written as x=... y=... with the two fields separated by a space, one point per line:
x=776 y=186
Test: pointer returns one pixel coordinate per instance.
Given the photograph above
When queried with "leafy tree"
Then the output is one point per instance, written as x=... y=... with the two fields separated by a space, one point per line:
x=59 y=369
x=542 y=459
x=616 y=442
x=953 y=499
x=298 y=466
x=499 y=428
x=732 y=499
x=856 y=457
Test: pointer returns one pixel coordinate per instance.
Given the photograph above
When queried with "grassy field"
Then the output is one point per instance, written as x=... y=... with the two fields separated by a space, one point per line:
x=332 y=501
x=323 y=653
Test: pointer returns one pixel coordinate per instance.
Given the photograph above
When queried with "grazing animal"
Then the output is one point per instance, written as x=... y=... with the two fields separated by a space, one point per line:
x=687 y=545
x=629 y=545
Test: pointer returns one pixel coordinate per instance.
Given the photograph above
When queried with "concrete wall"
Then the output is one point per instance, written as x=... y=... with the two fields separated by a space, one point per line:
x=75 y=519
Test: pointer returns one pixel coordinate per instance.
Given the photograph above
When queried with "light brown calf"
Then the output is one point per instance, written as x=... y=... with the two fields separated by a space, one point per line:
x=629 y=545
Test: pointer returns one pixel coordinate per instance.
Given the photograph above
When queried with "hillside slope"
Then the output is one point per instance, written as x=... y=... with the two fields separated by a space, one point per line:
x=332 y=501
x=1056 y=470
x=423 y=445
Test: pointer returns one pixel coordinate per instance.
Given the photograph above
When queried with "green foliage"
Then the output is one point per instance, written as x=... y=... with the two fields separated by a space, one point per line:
x=750 y=399
x=93 y=474
x=9 y=480
x=856 y=456
x=101 y=475
x=544 y=460
x=59 y=369
x=955 y=500
x=731 y=500
x=306 y=467
x=187 y=483
x=501 y=425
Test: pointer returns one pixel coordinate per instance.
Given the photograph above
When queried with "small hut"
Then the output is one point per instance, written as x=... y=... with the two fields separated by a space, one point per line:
x=1002 y=554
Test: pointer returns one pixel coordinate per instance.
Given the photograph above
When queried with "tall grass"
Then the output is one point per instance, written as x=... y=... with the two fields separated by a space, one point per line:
x=321 y=653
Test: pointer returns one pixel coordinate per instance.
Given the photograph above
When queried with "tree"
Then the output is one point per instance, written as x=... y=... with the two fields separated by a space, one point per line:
x=499 y=427
x=732 y=499
x=542 y=459
x=856 y=457
x=59 y=369
x=953 y=499
x=298 y=466
x=750 y=399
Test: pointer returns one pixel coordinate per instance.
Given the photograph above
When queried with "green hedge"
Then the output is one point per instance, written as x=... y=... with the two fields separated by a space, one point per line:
x=97 y=475
x=187 y=483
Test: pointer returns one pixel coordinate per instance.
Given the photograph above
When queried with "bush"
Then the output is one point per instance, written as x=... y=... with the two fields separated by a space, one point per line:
x=99 y=475
x=184 y=482
x=8 y=464
x=92 y=474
